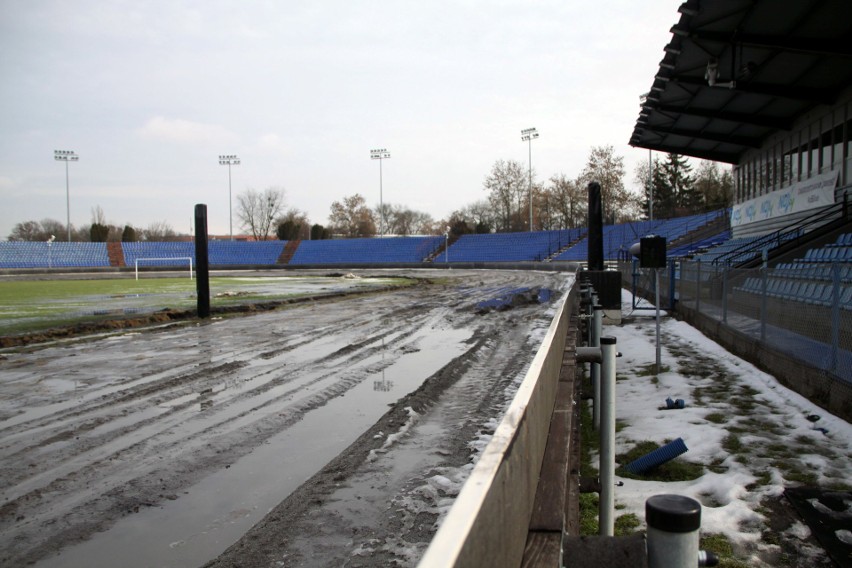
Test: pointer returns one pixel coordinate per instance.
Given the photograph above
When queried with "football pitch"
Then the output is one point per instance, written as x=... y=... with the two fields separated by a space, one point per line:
x=36 y=305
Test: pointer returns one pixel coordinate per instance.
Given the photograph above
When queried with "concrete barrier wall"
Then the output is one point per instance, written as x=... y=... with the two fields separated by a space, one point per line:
x=488 y=523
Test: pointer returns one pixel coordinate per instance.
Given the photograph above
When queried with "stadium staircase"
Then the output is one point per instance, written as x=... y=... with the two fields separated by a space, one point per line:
x=115 y=254
x=700 y=236
x=570 y=245
x=440 y=250
x=288 y=252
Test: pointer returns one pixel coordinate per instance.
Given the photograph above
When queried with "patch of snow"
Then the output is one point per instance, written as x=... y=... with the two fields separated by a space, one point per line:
x=777 y=417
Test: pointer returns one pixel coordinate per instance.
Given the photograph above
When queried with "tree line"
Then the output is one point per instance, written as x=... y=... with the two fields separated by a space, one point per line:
x=510 y=200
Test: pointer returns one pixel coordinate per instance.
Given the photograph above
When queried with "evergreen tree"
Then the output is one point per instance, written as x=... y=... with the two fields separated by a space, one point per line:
x=128 y=235
x=677 y=173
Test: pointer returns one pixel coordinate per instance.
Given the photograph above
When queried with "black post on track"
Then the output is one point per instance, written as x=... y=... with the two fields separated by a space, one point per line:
x=595 y=252
x=202 y=281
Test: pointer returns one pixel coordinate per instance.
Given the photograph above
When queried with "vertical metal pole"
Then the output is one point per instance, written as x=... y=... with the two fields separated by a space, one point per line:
x=650 y=187
x=607 y=457
x=835 y=315
x=202 y=283
x=725 y=294
x=657 y=291
x=67 y=201
x=381 y=202
x=698 y=285
x=595 y=368
x=230 y=202
x=763 y=305
x=672 y=284
x=530 y=157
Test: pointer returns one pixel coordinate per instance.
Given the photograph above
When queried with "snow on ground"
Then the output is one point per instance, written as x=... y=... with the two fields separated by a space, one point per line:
x=749 y=432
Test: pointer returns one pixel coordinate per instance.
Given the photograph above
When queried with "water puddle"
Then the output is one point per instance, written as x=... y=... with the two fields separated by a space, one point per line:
x=210 y=516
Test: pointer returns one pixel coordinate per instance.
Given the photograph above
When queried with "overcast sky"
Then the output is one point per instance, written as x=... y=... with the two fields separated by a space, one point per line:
x=150 y=93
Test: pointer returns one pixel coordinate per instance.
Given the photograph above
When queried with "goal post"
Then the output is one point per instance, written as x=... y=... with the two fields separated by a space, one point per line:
x=189 y=258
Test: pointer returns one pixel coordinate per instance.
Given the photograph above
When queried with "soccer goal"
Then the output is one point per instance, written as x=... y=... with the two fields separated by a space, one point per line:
x=189 y=258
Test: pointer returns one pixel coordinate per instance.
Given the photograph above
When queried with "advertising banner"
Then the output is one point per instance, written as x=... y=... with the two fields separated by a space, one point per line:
x=817 y=191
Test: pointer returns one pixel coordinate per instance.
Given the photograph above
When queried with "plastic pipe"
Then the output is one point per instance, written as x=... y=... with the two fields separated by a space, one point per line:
x=658 y=457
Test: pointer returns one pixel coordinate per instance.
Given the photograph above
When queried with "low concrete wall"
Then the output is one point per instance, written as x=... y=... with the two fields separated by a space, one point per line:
x=488 y=524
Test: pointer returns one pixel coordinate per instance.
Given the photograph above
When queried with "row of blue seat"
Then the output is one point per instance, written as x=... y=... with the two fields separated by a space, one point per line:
x=814 y=271
x=56 y=254
x=829 y=254
x=617 y=239
x=510 y=247
x=812 y=293
x=366 y=251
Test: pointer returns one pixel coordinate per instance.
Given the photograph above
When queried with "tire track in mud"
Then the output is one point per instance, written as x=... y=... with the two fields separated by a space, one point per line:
x=148 y=432
x=324 y=522
x=72 y=463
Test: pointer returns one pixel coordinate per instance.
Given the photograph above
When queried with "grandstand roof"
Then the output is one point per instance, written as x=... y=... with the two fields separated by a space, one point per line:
x=774 y=61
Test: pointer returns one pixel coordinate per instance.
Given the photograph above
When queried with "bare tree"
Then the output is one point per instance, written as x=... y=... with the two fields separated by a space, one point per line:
x=507 y=184
x=159 y=231
x=715 y=188
x=257 y=210
x=604 y=167
x=352 y=217
x=569 y=202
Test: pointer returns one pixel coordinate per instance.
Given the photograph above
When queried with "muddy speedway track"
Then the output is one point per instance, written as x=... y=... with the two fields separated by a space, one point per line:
x=177 y=441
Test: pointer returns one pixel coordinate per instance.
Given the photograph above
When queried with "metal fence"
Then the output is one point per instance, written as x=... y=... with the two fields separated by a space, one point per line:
x=805 y=313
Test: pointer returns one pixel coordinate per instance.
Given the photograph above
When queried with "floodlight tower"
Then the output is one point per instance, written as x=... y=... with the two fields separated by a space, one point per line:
x=66 y=156
x=229 y=160
x=380 y=154
x=528 y=135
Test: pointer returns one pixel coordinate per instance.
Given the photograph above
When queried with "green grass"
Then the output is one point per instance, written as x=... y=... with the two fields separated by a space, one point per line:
x=674 y=470
x=36 y=305
x=720 y=545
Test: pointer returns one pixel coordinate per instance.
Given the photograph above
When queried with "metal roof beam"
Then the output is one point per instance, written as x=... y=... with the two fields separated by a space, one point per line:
x=737 y=117
x=749 y=141
x=815 y=46
x=713 y=155
x=805 y=94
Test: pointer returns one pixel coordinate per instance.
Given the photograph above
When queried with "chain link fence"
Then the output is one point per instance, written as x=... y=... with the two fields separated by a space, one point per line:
x=805 y=313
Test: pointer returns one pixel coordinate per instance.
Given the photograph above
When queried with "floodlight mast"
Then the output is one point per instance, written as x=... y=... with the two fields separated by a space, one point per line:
x=229 y=160
x=528 y=135
x=66 y=156
x=380 y=154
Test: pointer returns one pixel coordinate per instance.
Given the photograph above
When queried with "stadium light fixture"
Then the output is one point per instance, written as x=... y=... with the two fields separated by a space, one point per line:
x=528 y=135
x=66 y=156
x=229 y=160
x=380 y=154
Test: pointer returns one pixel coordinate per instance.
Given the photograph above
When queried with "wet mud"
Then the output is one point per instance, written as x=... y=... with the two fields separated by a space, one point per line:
x=332 y=432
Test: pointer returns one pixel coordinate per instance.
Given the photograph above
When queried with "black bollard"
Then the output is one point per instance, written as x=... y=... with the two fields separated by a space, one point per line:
x=596 y=252
x=202 y=281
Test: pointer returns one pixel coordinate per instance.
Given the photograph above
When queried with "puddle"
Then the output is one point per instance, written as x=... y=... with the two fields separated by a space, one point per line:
x=211 y=515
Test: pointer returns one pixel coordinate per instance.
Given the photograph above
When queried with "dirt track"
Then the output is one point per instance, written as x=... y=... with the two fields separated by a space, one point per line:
x=176 y=442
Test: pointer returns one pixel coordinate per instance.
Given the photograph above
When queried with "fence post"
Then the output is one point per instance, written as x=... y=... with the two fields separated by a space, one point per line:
x=835 y=315
x=698 y=285
x=724 y=294
x=764 y=283
x=672 y=284
x=595 y=368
